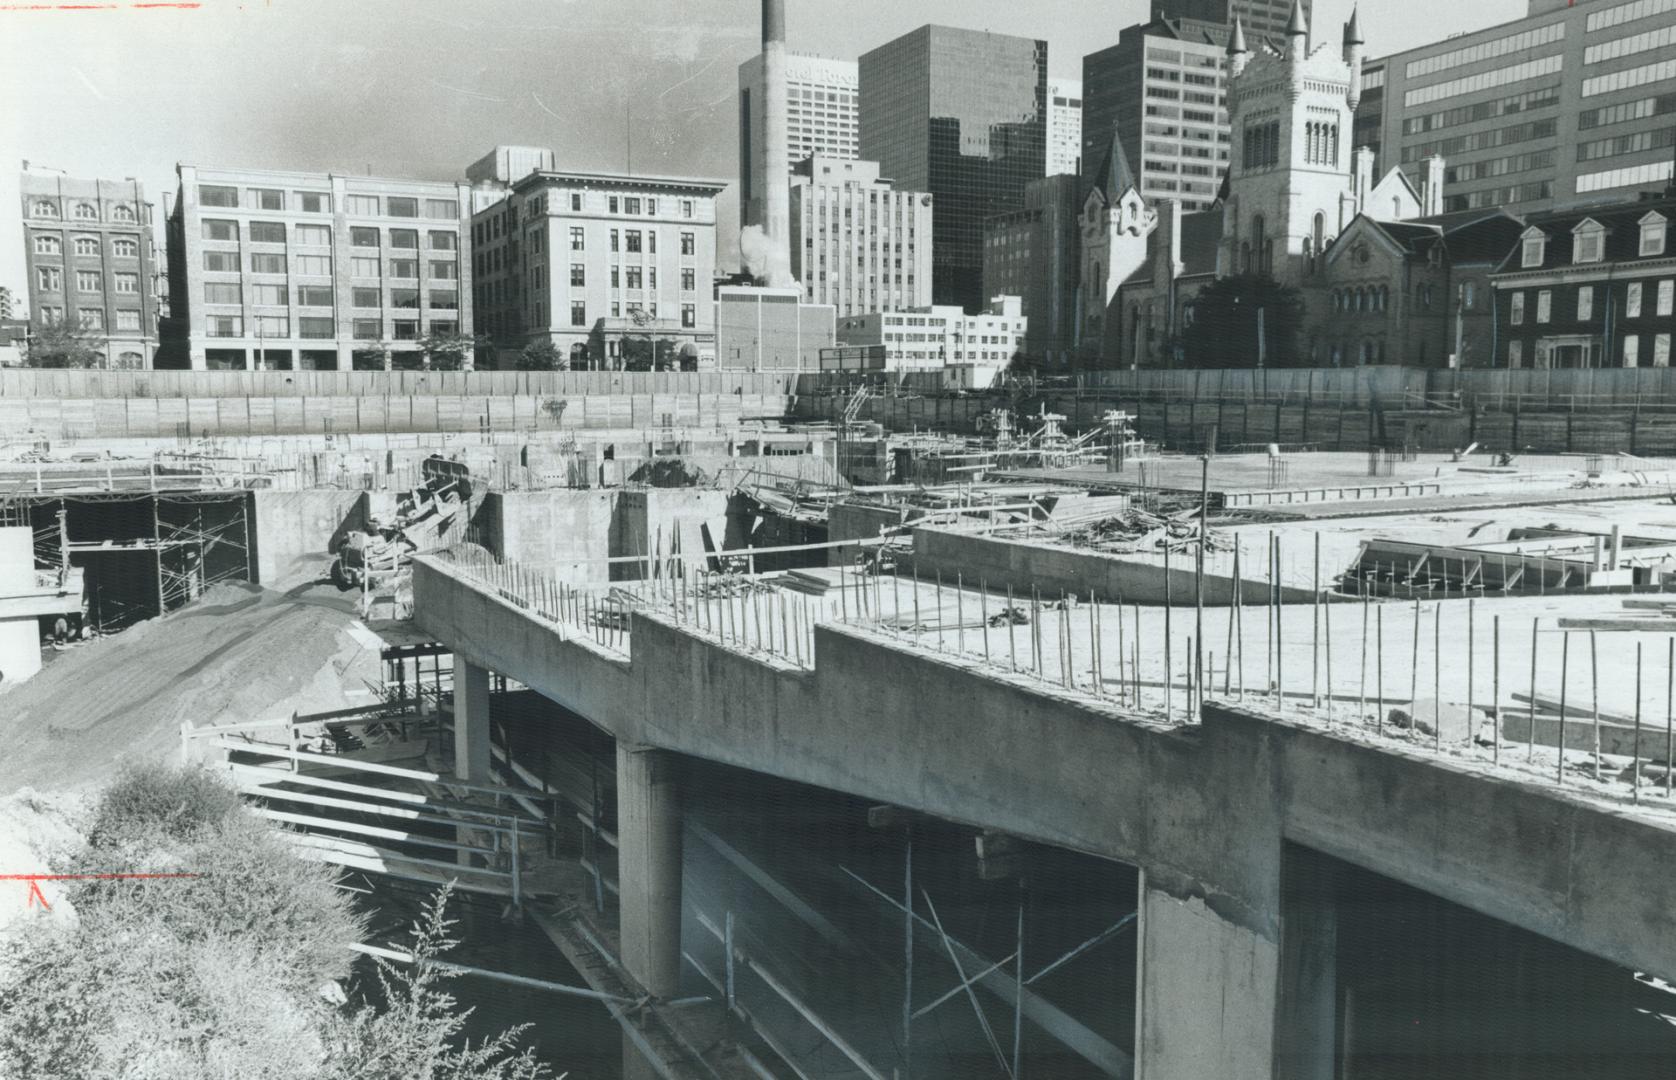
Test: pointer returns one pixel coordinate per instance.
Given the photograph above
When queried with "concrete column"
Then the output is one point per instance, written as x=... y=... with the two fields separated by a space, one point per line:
x=1306 y=1022
x=1205 y=1000
x=471 y=721
x=649 y=866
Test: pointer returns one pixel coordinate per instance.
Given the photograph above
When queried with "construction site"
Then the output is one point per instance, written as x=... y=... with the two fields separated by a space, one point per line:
x=810 y=728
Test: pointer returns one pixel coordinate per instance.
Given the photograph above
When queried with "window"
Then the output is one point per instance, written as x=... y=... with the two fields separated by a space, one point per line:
x=578 y=275
x=688 y=277
x=634 y=276
x=442 y=209
x=1632 y=350
x=444 y=326
x=366 y=329
x=128 y=320
x=223 y=292
x=1632 y=301
x=363 y=205
x=262 y=262
x=631 y=206
x=314 y=296
x=313 y=235
x=366 y=268
x=1516 y=314
x=125 y=248
x=1661 y=350
x=364 y=298
x=652 y=241
x=312 y=265
x=267 y=199
x=651 y=277
x=689 y=243
x=1652 y=234
x=1544 y=305
x=316 y=328
x=1665 y=297
x=444 y=241
x=613 y=204
x=444 y=269
x=1585 y=303
x=216 y=229
x=404 y=268
x=87 y=245
x=689 y=315
x=404 y=238
x=126 y=283
x=575 y=202
x=270 y=295
x=48 y=245
x=1515 y=353
x=360 y=236
x=314 y=202
x=404 y=298
x=89 y=281
x=1590 y=242
x=1535 y=250
x=406 y=329
x=44 y=208
x=122 y=212
x=267 y=232
x=616 y=277
x=445 y=300
x=91 y=318
x=209 y=195
x=686 y=208
x=631 y=240
x=578 y=313
x=401 y=206
x=51 y=315
x=577 y=242
x=224 y=325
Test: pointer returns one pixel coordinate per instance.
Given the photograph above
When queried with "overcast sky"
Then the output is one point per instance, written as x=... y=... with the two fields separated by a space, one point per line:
x=421 y=88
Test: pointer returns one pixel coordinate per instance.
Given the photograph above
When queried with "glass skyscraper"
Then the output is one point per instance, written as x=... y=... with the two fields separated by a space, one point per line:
x=961 y=114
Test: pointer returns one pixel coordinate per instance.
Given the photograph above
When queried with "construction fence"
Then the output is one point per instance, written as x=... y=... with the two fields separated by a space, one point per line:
x=79 y=384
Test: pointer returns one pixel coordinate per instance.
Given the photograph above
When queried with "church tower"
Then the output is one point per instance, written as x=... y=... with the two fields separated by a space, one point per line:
x=1290 y=185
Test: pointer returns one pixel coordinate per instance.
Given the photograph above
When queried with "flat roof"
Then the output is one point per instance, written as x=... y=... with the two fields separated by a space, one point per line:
x=694 y=183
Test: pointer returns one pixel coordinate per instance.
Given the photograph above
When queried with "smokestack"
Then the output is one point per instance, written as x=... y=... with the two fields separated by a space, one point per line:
x=776 y=216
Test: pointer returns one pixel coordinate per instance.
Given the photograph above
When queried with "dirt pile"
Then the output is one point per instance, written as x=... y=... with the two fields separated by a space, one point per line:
x=239 y=653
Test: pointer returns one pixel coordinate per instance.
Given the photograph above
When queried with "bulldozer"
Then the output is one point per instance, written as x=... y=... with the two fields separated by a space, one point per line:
x=423 y=520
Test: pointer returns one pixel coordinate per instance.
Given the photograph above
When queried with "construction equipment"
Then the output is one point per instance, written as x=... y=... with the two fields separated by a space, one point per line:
x=422 y=521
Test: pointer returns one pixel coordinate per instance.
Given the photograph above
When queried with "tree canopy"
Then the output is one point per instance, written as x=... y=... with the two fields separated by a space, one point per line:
x=542 y=355
x=60 y=344
x=1225 y=319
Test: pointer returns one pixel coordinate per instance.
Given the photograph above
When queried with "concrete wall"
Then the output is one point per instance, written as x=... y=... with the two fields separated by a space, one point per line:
x=20 y=638
x=41 y=383
x=294 y=532
x=569 y=533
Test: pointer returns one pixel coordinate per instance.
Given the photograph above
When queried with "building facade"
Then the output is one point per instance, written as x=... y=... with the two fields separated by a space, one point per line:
x=91 y=262
x=822 y=117
x=1064 y=127
x=941 y=336
x=1566 y=106
x=1264 y=18
x=1035 y=254
x=613 y=270
x=960 y=114
x=1588 y=288
x=761 y=329
x=315 y=271
x=856 y=242
x=1162 y=92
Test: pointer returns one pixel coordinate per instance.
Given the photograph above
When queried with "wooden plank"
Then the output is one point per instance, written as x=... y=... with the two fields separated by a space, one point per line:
x=311 y=821
x=338 y=761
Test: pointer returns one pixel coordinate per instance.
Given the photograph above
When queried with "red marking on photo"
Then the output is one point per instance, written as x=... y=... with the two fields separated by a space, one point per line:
x=35 y=880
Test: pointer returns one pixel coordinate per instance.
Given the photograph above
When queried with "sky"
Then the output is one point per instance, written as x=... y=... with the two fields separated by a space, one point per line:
x=421 y=88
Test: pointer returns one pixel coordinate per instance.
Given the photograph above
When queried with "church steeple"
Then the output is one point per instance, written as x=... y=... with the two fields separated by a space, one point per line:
x=1238 y=54
x=1353 y=55
x=1297 y=33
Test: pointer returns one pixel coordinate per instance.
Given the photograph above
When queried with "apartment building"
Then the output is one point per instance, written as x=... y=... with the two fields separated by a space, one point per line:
x=91 y=262
x=1162 y=91
x=856 y=242
x=939 y=336
x=1064 y=127
x=822 y=117
x=274 y=270
x=1568 y=105
x=614 y=270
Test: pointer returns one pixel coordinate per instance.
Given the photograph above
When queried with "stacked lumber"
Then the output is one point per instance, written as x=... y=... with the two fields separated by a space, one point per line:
x=1651 y=614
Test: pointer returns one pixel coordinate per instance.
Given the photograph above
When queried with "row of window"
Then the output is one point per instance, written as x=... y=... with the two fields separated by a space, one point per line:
x=1485 y=50
x=1499 y=196
x=274 y=232
x=1631 y=355
x=1484 y=110
x=1626 y=111
x=1664 y=304
x=92 y=318
x=51 y=279
x=1481 y=140
x=1261 y=145
x=1485 y=80
x=320 y=202
x=1483 y=170
x=1635 y=143
x=232 y=292
x=83 y=211
x=1629 y=77
x=1627 y=176
x=1629 y=46
x=1623 y=13
x=261 y=262
x=1372 y=300
x=123 y=247
x=1320 y=143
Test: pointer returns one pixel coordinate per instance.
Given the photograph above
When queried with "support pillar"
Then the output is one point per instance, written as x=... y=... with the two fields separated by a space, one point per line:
x=471 y=721
x=649 y=866
x=1306 y=1022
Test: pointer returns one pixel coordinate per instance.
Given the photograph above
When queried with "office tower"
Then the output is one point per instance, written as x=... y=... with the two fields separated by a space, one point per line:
x=856 y=242
x=1064 y=130
x=91 y=262
x=317 y=271
x=613 y=270
x=1565 y=106
x=821 y=116
x=1162 y=91
x=1034 y=254
x=1263 y=19
x=961 y=114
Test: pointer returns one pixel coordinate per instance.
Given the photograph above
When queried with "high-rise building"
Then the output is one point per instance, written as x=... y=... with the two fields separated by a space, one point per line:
x=613 y=270
x=1264 y=18
x=961 y=114
x=315 y=271
x=1162 y=91
x=821 y=118
x=1064 y=129
x=91 y=262
x=1034 y=254
x=1571 y=104
x=856 y=242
